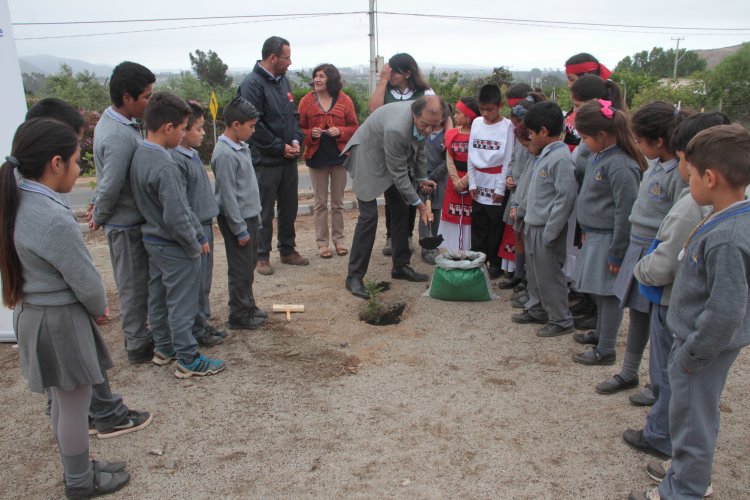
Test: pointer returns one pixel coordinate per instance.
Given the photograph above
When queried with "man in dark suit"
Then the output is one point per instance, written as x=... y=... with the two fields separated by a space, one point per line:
x=384 y=151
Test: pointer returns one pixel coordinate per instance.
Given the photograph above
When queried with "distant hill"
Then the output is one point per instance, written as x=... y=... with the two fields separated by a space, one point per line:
x=715 y=56
x=50 y=65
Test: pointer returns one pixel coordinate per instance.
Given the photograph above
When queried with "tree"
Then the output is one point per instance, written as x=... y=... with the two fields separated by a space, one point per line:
x=501 y=76
x=210 y=69
x=33 y=83
x=81 y=91
x=659 y=63
x=729 y=84
x=446 y=85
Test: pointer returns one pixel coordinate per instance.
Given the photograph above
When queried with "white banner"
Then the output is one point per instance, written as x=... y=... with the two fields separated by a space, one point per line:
x=13 y=104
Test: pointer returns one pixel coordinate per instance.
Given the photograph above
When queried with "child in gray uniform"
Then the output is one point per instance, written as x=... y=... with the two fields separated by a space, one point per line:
x=655 y=273
x=57 y=296
x=201 y=200
x=550 y=201
x=710 y=318
x=608 y=191
x=437 y=170
x=173 y=237
x=116 y=138
x=238 y=196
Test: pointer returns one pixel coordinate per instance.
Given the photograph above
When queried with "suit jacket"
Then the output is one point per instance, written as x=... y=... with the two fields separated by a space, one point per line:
x=383 y=150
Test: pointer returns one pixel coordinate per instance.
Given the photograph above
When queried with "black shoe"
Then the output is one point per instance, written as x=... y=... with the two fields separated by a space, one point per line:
x=495 y=272
x=585 y=323
x=210 y=330
x=509 y=283
x=586 y=307
x=245 y=322
x=550 y=330
x=257 y=312
x=116 y=481
x=142 y=355
x=357 y=288
x=209 y=340
x=526 y=318
x=589 y=337
x=408 y=274
x=616 y=384
x=594 y=358
x=636 y=440
x=133 y=421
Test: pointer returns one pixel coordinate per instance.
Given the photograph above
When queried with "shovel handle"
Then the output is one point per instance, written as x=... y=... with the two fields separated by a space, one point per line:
x=429 y=209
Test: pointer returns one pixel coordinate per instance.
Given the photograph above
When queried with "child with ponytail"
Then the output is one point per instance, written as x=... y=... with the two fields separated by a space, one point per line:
x=49 y=280
x=653 y=125
x=608 y=191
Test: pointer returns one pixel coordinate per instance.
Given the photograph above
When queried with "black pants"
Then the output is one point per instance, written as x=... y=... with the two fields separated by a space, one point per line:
x=278 y=186
x=366 y=229
x=487 y=230
x=241 y=263
x=412 y=219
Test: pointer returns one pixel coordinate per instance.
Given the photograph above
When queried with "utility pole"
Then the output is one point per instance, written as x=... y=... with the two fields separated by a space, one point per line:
x=373 y=47
x=676 y=57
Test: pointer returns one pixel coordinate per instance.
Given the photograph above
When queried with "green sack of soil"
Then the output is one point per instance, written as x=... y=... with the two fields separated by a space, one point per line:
x=460 y=277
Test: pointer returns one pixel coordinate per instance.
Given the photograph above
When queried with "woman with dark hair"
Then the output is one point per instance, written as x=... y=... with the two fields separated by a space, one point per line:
x=328 y=120
x=400 y=80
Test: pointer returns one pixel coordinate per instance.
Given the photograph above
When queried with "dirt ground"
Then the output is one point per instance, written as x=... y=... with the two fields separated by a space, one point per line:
x=454 y=402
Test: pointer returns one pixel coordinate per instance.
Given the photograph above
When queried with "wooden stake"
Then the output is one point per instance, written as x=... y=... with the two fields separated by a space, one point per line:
x=288 y=309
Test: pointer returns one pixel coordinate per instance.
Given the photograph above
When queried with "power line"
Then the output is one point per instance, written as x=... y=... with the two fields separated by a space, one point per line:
x=412 y=14
x=281 y=17
x=83 y=35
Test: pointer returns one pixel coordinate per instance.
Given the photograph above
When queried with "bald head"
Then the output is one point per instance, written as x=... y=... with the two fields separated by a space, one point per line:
x=429 y=113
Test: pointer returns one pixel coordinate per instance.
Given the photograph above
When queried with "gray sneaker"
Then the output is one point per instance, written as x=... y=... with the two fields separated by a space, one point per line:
x=657 y=469
x=643 y=398
x=550 y=330
x=428 y=256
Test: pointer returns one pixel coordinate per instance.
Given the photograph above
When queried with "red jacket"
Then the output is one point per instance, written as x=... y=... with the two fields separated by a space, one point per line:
x=342 y=116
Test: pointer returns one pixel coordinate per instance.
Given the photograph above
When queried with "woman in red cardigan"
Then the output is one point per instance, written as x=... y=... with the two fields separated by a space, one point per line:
x=328 y=121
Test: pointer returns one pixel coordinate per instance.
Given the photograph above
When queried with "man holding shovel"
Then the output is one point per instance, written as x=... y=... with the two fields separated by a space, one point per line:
x=386 y=156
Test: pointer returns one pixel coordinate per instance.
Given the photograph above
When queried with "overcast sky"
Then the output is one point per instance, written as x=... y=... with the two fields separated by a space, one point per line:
x=342 y=40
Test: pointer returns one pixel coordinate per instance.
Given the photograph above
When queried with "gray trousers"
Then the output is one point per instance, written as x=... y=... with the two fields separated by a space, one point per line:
x=130 y=266
x=548 y=287
x=656 y=430
x=174 y=280
x=366 y=229
x=204 y=288
x=694 y=423
x=241 y=263
x=278 y=186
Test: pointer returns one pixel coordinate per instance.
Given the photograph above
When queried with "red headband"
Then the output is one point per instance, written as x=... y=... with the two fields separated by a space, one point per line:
x=588 y=67
x=512 y=101
x=463 y=108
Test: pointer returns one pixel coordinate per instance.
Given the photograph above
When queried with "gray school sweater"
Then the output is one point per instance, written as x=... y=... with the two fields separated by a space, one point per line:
x=657 y=269
x=236 y=185
x=660 y=188
x=552 y=191
x=518 y=200
x=710 y=300
x=516 y=169
x=57 y=268
x=199 y=193
x=160 y=194
x=609 y=189
x=115 y=142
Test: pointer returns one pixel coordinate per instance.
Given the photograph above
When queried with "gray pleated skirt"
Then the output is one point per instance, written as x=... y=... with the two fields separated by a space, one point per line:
x=591 y=273
x=626 y=286
x=59 y=346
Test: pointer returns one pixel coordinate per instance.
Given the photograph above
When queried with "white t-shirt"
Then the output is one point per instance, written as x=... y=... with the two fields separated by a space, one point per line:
x=489 y=146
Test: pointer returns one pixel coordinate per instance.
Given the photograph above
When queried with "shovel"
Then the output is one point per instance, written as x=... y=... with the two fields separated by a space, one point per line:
x=430 y=242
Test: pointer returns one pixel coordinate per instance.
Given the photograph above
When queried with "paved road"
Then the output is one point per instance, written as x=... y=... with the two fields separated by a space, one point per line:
x=82 y=193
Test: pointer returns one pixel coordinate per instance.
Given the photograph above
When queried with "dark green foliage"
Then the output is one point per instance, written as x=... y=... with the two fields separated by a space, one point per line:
x=210 y=69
